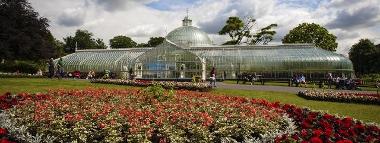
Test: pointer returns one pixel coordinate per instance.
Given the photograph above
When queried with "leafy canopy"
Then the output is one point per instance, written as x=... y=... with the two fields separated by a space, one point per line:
x=239 y=31
x=153 y=42
x=312 y=33
x=122 y=42
x=24 y=35
x=365 y=57
x=83 y=39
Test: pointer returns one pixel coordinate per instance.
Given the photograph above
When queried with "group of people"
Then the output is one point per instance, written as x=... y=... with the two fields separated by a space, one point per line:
x=342 y=82
x=298 y=80
x=247 y=77
x=52 y=70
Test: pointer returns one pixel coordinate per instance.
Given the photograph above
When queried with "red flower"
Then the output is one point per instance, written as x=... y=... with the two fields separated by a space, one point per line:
x=317 y=133
x=328 y=132
x=344 y=141
x=304 y=133
x=3 y=131
x=316 y=140
x=5 y=141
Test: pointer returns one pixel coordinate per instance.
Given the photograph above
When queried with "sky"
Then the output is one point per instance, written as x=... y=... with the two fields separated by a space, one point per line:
x=349 y=20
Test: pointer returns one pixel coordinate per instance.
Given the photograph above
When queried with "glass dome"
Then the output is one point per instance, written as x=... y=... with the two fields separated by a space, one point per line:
x=188 y=35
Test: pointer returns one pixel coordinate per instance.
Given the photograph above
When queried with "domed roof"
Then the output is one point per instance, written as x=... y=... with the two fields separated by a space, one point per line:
x=189 y=35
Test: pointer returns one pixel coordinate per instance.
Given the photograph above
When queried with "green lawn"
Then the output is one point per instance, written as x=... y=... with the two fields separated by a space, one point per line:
x=16 y=85
x=367 y=113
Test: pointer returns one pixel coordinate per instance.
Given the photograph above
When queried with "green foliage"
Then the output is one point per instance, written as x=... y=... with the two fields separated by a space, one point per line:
x=312 y=33
x=371 y=77
x=239 y=30
x=24 y=34
x=264 y=36
x=235 y=29
x=365 y=57
x=155 y=41
x=83 y=39
x=20 y=66
x=59 y=48
x=122 y=42
x=156 y=91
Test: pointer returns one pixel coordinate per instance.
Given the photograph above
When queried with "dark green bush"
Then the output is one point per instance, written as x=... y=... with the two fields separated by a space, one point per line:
x=19 y=66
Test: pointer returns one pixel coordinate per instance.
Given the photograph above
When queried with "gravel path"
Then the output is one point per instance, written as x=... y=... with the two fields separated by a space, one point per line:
x=222 y=85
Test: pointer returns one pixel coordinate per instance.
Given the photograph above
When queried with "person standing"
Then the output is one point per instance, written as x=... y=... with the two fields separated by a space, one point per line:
x=60 y=68
x=213 y=77
x=51 y=68
x=330 y=79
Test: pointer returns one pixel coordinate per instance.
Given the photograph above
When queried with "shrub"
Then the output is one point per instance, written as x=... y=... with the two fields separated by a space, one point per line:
x=20 y=66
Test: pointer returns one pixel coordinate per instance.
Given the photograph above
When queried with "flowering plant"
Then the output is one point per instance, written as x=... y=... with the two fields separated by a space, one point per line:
x=94 y=115
x=165 y=84
x=366 y=98
x=155 y=115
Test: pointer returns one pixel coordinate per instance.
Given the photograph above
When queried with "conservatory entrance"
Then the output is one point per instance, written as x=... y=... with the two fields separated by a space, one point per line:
x=169 y=61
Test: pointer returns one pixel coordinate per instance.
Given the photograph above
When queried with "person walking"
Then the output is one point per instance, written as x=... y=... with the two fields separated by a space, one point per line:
x=213 y=77
x=51 y=68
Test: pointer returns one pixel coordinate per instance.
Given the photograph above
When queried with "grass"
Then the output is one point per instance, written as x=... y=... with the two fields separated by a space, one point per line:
x=367 y=113
x=16 y=85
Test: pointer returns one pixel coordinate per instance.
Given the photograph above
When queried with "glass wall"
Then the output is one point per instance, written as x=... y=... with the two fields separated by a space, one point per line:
x=170 y=61
x=100 y=60
x=273 y=61
x=167 y=61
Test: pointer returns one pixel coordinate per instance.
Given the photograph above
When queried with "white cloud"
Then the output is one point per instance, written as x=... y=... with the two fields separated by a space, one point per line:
x=108 y=18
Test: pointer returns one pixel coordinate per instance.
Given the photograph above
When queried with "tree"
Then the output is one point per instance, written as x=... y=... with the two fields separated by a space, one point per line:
x=155 y=41
x=264 y=36
x=100 y=44
x=83 y=39
x=365 y=57
x=24 y=35
x=122 y=42
x=239 y=31
x=312 y=33
x=59 y=48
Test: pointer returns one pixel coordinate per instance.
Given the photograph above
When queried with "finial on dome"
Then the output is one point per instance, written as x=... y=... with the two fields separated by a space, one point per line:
x=186 y=21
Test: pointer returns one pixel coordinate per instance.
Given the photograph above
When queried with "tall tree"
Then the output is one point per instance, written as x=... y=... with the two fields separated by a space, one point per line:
x=83 y=39
x=24 y=35
x=312 y=33
x=155 y=41
x=242 y=31
x=364 y=56
x=264 y=36
x=122 y=42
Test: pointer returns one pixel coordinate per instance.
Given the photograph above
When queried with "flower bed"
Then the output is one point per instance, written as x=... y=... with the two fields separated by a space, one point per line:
x=165 y=84
x=365 y=98
x=137 y=115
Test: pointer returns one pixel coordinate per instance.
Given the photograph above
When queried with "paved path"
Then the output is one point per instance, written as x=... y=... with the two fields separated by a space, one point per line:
x=222 y=85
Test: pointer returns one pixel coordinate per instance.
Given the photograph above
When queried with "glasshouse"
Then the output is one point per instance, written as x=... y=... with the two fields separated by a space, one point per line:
x=188 y=52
